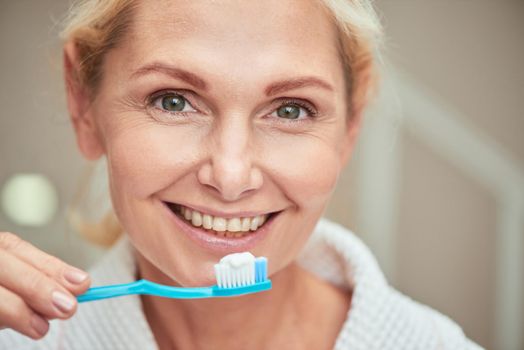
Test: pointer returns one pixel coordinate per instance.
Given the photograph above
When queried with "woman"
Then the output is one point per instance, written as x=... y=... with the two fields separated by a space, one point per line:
x=225 y=125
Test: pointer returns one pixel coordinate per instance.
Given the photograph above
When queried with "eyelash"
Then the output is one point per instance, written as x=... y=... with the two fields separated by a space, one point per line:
x=311 y=111
x=151 y=101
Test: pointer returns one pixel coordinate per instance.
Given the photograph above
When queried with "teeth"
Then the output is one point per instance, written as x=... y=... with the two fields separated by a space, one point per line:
x=254 y=223
x=257 y=222
x=246 y=224
x=234 y=227
x=196 y=220
x=207 y=221
x=219 y=224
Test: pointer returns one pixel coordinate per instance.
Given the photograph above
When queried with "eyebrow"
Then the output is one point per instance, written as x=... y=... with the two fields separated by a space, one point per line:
x=172 y=71
x=296 y=83
x=199 y=83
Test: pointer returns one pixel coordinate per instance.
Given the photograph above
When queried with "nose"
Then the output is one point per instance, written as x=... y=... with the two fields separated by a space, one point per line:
x=230 y=170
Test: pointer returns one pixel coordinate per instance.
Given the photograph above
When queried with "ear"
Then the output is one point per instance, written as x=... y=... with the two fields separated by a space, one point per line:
x=353 y=125
x=78 y=104
x=359 y=101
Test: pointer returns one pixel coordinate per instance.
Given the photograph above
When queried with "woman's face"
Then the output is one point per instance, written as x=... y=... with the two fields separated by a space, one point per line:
x=234 y=109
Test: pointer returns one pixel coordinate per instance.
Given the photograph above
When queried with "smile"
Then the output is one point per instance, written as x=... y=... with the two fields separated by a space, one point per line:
x=224 y=236
x=232 y=227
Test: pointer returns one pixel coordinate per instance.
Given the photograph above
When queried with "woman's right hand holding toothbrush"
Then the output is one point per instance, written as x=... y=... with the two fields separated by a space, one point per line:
x=35 y=287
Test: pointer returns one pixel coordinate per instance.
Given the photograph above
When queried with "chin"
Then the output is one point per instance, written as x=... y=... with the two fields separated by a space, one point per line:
x=184 y=272
x=196 y=278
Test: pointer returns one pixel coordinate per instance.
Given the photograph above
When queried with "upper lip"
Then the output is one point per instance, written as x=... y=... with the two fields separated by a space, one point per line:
x=213 y=212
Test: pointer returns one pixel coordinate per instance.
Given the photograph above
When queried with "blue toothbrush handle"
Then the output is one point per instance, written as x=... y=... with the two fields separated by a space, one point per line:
x=98 y=293
x=143 y=287
x=151 y=288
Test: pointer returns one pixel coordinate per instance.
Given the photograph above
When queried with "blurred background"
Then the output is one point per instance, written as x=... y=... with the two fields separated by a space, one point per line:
x=435 y=188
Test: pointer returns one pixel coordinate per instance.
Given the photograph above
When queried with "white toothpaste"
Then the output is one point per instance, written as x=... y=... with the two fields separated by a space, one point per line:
x=234 y=270
x=237 y=260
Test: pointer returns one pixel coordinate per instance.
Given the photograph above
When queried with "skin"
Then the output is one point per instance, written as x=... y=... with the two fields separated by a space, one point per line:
x=230 y=152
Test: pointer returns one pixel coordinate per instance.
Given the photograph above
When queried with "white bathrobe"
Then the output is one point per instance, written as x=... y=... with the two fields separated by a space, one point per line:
x=380 y=318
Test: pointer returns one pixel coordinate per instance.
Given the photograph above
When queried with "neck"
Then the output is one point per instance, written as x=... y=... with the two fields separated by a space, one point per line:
x=239 y=322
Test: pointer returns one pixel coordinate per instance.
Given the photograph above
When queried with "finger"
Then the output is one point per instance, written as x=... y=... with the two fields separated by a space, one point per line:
x=73 y=279
x=15 y=314
x=43 y=294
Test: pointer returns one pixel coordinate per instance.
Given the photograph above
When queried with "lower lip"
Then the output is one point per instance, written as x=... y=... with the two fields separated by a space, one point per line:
x=212 y=242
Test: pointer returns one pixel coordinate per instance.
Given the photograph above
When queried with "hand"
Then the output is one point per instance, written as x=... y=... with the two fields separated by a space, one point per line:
x=35 y=287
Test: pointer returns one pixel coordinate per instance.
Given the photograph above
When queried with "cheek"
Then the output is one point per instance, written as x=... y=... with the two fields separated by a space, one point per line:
x=146 y=159
x=308 y=168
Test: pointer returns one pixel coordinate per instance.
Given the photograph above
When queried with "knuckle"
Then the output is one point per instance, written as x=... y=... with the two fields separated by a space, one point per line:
x=18 y=309
x=36 y=284
x=53 y=264
x=9 y=241
x=14 y=313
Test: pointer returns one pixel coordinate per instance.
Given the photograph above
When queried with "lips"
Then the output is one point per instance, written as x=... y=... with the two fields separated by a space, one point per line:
x=218 y=241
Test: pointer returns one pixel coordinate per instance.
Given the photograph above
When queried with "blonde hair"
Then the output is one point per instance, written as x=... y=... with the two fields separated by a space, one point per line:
x=96 y=26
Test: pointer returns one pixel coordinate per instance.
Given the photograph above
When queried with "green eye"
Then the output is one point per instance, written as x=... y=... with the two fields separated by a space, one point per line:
x=173 y=103
x=288 y=111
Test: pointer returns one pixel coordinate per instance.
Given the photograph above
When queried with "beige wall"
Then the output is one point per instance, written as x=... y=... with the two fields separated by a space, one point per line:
x=35 y=134
x=466 y=56
x=440 y=246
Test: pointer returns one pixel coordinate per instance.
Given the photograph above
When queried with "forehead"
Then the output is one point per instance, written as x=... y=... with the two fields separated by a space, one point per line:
x=235 y=20
x=248 y=34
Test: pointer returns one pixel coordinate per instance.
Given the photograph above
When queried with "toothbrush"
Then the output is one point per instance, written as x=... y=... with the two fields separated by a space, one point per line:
x=236 y=274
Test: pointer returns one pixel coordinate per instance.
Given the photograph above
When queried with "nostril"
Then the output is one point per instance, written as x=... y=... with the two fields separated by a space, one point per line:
x=230 y=180
x=205 y=176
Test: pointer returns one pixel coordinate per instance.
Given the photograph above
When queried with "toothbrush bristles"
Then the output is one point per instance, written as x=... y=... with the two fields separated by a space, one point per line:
x=260 y=269
x=228 y=277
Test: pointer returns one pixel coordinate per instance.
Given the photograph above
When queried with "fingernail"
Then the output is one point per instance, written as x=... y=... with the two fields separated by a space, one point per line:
x=75 y=276
x=39 y=325
x=62 y=301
